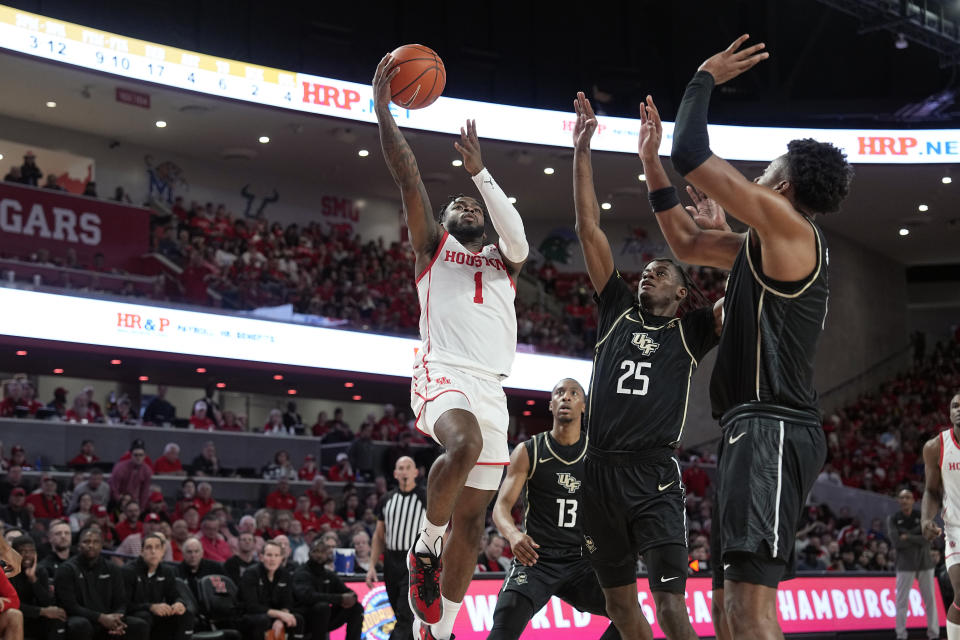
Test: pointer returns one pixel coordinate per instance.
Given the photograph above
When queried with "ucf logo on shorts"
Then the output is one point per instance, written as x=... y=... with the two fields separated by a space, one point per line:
x=588 y=541
x=568 y=482
x=521 y=578
x=643 y=342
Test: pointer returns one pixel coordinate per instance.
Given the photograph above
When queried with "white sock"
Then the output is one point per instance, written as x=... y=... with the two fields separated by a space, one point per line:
x=431 y=538
x=953 y=631
x=444 y=629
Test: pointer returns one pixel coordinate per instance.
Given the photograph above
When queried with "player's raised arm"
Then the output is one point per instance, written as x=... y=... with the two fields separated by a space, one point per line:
x=424 y=229
x=523 y=547
x=763 y=207
x=504 y=216
x=593 y=241
x=932 y=489
x=705 y=239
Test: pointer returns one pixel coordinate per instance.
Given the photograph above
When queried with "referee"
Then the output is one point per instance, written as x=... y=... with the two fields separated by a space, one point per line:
x=399 y=518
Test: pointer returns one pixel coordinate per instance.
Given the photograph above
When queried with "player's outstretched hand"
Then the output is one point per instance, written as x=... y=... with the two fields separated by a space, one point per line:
x=706 y=212
x=651 y=130
x=524 y=549
x=930 y=530
x=586 y=123
x=729 y=63
x=381 y=81
x=469 y=148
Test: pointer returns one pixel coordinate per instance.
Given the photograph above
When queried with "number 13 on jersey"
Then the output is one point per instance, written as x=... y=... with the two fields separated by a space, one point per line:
x=633 y=371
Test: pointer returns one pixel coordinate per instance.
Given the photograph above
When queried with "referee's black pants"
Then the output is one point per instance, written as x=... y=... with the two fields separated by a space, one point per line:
x=396 y=579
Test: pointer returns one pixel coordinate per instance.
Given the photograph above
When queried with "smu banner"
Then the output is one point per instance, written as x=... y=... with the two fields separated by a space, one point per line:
x=105 y=52
x=806 y=605
x=34 y=219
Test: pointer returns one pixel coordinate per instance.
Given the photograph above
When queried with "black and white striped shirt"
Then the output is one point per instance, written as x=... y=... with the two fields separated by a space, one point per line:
x=402 y=515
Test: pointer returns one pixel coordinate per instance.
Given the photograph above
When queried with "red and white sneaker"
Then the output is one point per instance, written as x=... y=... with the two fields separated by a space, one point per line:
x=421 y=631
x=424 y=587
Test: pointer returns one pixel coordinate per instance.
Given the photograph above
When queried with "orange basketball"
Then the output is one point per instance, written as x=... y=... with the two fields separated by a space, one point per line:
x=421 y=78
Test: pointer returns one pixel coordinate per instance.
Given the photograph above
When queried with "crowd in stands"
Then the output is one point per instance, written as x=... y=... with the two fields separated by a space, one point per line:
x=876 y=442
x=327 y=271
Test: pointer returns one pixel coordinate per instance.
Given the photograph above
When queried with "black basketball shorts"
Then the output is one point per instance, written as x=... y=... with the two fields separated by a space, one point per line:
x=632 y=506
x=570 y=577
x=769 y=458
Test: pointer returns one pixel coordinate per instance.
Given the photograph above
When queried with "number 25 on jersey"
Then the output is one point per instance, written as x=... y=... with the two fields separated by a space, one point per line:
x=633 y=371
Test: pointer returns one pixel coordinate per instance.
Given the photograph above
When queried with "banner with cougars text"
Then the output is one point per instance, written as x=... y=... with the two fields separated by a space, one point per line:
x=806 y=605
x=34 y=219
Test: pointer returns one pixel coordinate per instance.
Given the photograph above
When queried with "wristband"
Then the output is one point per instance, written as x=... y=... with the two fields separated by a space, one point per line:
x=663 y=199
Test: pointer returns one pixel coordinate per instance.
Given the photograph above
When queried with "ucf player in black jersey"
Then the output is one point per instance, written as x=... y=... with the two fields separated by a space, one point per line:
x=548 y=560
x=645 y=357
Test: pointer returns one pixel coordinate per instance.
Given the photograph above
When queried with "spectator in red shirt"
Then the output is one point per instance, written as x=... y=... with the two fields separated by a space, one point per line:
x=214 y=546
x=389 y=423
x=158 y=507
x=231 y=422
x=102 y=518
x=282 y=499
x=492 y=555
x=204 y=499
x=86 y=457
x=92 y=405
x=169 y=463
x=18 y=457
x=309 y=470
x=329 y=519
x=199 y=419
x=132 y=477
x=30 y=397
x=317 y=493
x=131 y=521
x=305 y=515
x=695 y=479
x=179 y=533
x=46 y=504
x=342 y=471
x=320 y=428
x=80 y=411
x=192 y=517
x=13 y=399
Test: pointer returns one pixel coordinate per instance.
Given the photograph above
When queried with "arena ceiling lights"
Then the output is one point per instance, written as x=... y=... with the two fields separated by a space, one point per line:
x=68 y=43
x=125 y=325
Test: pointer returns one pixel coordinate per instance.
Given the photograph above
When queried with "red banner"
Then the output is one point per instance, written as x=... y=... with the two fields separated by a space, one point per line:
x=805 y=605
x=33 y=219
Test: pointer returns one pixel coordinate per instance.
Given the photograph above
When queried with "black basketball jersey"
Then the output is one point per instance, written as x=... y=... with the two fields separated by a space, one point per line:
x=770 y=334
x=551 y=513
x=642 y=368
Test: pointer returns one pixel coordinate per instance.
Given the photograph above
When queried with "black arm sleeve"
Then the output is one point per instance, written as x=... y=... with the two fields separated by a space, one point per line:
x=120 y=599
x=691 y=144
x=170 y=593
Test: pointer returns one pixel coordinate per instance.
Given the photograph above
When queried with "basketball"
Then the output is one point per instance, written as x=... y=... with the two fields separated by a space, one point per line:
x=421 y=78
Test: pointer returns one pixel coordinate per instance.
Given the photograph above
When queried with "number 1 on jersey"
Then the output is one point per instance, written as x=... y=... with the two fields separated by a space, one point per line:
x=478 y=292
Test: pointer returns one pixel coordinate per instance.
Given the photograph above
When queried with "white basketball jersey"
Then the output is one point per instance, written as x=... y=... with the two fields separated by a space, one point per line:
x=950 y=472
x=467 y=317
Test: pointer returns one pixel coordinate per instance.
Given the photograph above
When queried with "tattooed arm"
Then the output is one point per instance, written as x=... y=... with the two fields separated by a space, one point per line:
x=424 y=229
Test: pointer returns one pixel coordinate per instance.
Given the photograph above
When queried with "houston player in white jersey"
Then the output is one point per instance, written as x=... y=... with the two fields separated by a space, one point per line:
x=468 y=326
x=941 y=461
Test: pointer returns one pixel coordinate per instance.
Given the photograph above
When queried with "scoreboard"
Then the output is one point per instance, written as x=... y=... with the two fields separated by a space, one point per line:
x=55 y=40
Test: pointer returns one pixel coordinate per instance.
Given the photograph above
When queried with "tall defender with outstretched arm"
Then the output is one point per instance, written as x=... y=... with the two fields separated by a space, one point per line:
x=468 y=328
x=762 y=388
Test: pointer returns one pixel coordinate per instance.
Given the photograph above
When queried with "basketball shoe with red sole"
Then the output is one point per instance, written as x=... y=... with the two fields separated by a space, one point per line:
x=421 y=631
x=424 y=591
